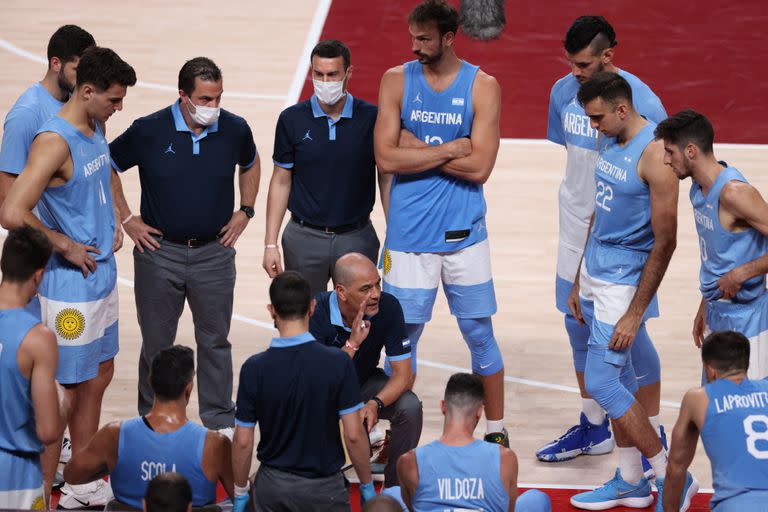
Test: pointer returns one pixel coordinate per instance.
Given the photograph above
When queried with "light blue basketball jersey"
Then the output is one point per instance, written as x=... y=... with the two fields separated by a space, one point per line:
x=460 y=478
x=82 y=210
x=621 y=235
x=568 y=125
x=31 y=110
x=722 y=250
x=17 y=415
x=143 y=454
x=735 y=437
x=432 y=211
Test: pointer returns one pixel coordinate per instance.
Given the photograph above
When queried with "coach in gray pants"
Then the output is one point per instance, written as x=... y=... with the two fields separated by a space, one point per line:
x=187 y=155
x=325 y=174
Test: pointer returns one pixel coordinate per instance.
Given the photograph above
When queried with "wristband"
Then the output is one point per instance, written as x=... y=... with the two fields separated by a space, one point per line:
x=270 y=246
x=242 y=491
x=354 y=348
x=126 y=219
x=378 y=402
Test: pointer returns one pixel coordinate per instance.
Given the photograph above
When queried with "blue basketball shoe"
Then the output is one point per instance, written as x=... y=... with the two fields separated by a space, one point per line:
x=615 y=493
x=582 y=439
x=689 y=491
x=647 y=469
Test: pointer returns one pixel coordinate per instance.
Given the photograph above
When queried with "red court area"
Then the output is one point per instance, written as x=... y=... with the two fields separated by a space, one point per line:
x=560 y=500
x=707 y=55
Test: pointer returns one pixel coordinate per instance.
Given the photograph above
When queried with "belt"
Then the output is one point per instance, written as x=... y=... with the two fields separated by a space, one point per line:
x=335 y=230
x=191 y=242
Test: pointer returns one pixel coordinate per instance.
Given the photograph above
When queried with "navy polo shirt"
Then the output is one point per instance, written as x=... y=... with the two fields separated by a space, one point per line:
x=296 y=390
x=333 y=169
x=187 y=180
x=387 y=332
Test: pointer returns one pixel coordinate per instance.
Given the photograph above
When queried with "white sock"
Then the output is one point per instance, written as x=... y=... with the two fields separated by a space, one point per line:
x=659 y=464
x=656 y=424
x=592 y=410
x=492 y=426
x=631 y=465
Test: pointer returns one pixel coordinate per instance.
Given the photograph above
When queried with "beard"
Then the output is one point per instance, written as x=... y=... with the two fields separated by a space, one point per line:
x=63 y=83
x=429 y=59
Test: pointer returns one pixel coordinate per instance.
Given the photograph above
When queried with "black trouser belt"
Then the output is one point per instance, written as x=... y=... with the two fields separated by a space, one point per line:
x=335 y=230
x=191 y=242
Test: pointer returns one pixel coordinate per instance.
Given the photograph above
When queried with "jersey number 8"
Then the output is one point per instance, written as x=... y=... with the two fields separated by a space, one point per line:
x=754 y=436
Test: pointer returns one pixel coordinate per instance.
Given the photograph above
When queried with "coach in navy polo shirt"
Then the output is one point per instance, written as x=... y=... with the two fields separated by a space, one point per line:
x=296 y=391
x=361 y=320
x=324 y=173
x=187 y=155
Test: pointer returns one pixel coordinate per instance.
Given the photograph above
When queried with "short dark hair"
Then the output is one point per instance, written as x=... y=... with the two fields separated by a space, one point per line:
x=68 y=43
x=25 y=251
x=593 y=31
x=290 y=295
x=439 y=12
x=199 y=67
x=330 y=49
x=726 y=351
x=168 y=492
x=102 y=68
x=464 y=390
x=382 y=503
x=687 y=126
x=172 y=369
x=610 y=87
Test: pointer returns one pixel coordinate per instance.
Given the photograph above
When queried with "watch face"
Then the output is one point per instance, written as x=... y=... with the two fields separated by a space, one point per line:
x=248 y=211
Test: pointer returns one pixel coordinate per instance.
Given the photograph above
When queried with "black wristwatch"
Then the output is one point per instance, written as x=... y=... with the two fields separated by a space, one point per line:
x=378 y=402
x=248 y=211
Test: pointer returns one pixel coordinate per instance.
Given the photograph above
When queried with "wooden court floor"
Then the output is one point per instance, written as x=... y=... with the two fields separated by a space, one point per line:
x=258 y=46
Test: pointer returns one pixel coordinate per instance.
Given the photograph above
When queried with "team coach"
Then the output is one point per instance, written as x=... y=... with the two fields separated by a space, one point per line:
x=325 y=174
x=186 y=233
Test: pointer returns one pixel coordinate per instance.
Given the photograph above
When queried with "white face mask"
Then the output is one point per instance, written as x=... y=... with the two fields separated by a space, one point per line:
x=204 y=116
x=329 y=92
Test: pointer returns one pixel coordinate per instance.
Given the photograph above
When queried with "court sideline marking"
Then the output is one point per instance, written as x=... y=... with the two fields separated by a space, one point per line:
x=12 y=48
x=427 y=363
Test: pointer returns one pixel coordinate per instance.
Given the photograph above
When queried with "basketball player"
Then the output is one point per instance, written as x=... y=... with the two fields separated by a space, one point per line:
x=589 y=47
x=41 y=101
x=449 y=110
x=732 y=222
x=68 y=173
x=632 y=239
x=134 y=451
x=731 y=414
x=29 y=405
x=459 y=472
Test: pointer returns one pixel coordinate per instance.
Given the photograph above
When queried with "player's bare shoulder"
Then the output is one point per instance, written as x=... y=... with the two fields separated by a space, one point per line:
x=393 y=79
x=485 y=89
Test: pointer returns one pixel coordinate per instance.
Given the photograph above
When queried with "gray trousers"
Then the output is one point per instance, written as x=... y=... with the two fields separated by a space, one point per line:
x=205 y=277
x=405 y=416
x=314 y=253
x=280 y=491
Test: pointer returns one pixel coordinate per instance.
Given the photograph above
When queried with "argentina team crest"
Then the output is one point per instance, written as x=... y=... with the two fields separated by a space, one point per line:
x=70 y=323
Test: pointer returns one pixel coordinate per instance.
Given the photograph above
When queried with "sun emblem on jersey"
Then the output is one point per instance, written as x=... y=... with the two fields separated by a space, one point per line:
x=38 y=504
x=70 y=323
x=387 y=263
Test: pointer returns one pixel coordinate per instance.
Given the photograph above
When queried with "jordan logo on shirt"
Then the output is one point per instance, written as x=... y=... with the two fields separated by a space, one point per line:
x=417 y=99
x=169 y=149
x=306 y=136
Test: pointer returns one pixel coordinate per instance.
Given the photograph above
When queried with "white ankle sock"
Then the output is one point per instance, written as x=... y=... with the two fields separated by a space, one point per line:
x=592 y=410
x=656 y=424
x=492 y=426
x=659 y=464
x=630 y=464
